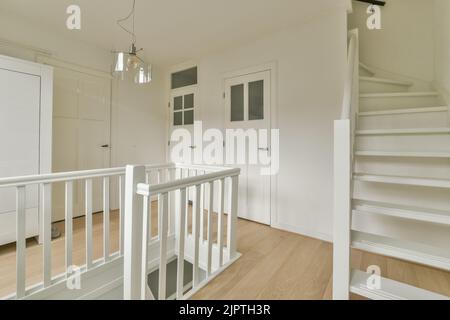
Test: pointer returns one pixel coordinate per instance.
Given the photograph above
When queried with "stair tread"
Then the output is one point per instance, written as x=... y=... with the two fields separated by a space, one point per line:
x=387 y=81
x=403 y=211
x=403 y=111
x=403 y=154
x=389 y=289
x=411 y=181
x=399 y=94
x=402 y=249
x=403 y=131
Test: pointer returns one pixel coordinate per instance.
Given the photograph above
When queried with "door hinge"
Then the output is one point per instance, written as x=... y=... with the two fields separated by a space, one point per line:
x=168 y=105
x=224 y=95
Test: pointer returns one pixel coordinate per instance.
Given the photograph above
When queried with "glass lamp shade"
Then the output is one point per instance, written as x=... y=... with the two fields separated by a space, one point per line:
x=143 y=74
x=130 y=65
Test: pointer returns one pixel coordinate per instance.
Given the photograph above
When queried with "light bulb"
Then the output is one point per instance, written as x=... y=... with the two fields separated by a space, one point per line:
x=133 y=62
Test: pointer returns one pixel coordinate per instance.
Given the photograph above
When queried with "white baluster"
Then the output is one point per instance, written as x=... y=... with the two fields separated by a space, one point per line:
x=209 y=230
x=69 y=224
x=181 y=239
x=163 y=218
x=220 y=221
x=88 y=218
x=47 y=233
x=232 y=218
x=195 y=233
x=121 y=213
x=145 y=239
x=20 y=242
x=106 y=218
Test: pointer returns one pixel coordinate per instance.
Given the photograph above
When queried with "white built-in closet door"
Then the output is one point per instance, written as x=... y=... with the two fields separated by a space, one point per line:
x=19 y=140
x=81 y=133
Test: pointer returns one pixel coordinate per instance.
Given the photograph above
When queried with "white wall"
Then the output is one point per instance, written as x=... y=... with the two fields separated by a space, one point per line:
x=138 y=113
x=442 y=46
x=405 y=44
x=139 y=116
x=311 y=60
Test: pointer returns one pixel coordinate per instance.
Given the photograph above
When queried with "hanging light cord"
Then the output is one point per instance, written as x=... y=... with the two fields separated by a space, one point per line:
x=119 y=22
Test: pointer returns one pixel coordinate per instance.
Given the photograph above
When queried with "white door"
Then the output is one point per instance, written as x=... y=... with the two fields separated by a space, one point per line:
x=81 y=133
x=183 y=112
x=247 y=103
x=19 y=145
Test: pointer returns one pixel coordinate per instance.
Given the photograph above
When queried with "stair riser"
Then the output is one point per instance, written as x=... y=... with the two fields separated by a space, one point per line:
x=377 y=87
x=422 y=197
x=415 y=167
x=376 y=104
x=404 y=143
x=404 y=121
x=408 y=230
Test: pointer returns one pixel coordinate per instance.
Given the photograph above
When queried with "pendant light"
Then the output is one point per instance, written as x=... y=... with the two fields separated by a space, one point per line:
x=128 y=63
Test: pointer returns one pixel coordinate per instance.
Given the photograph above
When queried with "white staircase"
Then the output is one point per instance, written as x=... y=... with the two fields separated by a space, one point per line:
x=392 y=179
x=402 y=146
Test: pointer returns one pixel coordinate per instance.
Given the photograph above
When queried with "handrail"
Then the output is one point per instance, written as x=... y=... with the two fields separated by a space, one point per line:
x=89 y=174
x=148 y=190
x=348 y=87
x=70 y=176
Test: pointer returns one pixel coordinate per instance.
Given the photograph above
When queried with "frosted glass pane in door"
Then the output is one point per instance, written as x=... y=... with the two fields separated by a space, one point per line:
x=237 y=102
x=256 y=100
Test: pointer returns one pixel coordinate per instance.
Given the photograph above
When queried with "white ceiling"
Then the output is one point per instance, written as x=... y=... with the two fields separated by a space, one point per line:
x=170 y=31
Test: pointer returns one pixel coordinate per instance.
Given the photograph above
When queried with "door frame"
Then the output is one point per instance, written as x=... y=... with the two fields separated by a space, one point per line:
x=272 y=67
x=195 y=88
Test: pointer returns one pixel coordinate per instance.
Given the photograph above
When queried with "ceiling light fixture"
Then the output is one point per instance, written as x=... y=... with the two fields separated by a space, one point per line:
x=129 y=62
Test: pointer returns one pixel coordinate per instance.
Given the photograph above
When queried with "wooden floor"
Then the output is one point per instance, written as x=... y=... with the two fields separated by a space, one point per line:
x=281 y=265
x=274 y=264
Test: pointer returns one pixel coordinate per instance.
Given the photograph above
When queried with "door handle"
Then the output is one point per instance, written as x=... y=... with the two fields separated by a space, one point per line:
x=263 y=149
x=192 y=147
x=105 y=146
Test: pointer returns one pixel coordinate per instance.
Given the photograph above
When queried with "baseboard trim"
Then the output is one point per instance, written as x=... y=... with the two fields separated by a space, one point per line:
x=303 y=232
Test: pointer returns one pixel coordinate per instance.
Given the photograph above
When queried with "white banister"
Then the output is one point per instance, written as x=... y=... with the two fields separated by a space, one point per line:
x=88 y=223
x=47 y=233
x=21 y=241
x=137 y=249
x=68 y=224
x=132 y=283
x=106 y=218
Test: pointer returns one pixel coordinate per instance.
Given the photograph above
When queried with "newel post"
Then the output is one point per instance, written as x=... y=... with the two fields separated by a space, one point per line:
x=342 y=209
x=132 y=282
